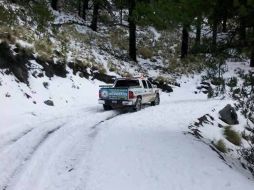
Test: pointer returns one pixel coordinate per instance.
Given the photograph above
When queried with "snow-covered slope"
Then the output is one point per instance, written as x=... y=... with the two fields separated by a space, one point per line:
x=20 y=101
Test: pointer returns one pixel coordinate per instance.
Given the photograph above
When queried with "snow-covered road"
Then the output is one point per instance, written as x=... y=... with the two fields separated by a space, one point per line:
x=89 y=149
x=148 y=150
x=52 y=154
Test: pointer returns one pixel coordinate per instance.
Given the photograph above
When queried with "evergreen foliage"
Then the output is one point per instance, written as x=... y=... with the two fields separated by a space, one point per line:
x=42 y=15
x=234 y=18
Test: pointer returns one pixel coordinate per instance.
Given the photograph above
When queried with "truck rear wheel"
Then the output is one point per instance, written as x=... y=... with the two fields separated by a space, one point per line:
x=107 y=107
x=138 y=104
x=156 y=100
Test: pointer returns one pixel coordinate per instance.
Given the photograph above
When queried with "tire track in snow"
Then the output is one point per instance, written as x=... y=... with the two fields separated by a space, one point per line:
x=11 y=141
x=95 y=128
x=191 y=101
x=94 y=131
x=7 y=179
x=73 y=151
x=20 y=136
x=15 y=139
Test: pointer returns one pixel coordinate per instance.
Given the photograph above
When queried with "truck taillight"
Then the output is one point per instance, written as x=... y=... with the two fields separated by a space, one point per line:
x=131 y=95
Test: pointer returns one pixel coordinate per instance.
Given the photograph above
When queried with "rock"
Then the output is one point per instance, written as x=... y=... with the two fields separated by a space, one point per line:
x=217 y=81
x=166 y=88
x=49 y=102
x=205 y=119
x=51 y=68
x=40 y=75
x=58 y=53
x=220 y=126
x=35 y=74
x=163 y=86
x=153 y=60
x=229 y=115
x=60 y=69
x=47 y=66
x=205 y=87
x=177 y=84
x=45 y=84
x=205 y=83
x=27 y=96
x=78 y=67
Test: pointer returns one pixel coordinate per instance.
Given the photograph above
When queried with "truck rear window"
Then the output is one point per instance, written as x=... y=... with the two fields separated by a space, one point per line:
x=127 y=83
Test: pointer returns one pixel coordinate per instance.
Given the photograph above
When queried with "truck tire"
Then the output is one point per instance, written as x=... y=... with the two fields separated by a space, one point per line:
x=138 y=104
x=156 y=100
x=107 y=107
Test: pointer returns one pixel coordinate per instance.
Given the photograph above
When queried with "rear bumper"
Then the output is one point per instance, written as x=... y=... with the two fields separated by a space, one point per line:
x=116 y=102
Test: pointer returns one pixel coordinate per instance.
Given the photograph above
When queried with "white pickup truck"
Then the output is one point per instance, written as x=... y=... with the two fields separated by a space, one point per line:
x=129 y=92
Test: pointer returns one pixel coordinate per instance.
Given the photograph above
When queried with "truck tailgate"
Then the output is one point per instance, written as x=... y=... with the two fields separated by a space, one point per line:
x=114 y=93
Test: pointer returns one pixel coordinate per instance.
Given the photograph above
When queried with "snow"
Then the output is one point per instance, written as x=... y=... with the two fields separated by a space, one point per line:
x=82 y=29
x=24 y=44
x=148 y=158
x=156 y=34
x=77 y=145
x=61 y=18
x=69 y=92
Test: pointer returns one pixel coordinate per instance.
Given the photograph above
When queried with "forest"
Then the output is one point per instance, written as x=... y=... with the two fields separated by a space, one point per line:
x=230 y=22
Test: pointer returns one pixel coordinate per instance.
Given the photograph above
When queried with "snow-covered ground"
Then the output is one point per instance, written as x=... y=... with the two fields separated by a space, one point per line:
x=77 y=145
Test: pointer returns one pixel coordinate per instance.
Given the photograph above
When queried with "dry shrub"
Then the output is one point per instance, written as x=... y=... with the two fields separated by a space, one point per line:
x=44 y=48
x=220 y=145
x=232 y=136
x=145 y=52
x=118 y=39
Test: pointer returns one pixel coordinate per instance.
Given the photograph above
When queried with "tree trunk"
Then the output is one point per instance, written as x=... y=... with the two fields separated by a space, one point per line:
x=242 y=31
x=94 y=22
x=252 y=50
x=79 y=8
x=198 y=31
x=85 y=8
x=121 y=15
x=54 y=4
x=224 y=24
x=215 y=32
x=132 y=31
x=185 y=41
x=252 y=56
